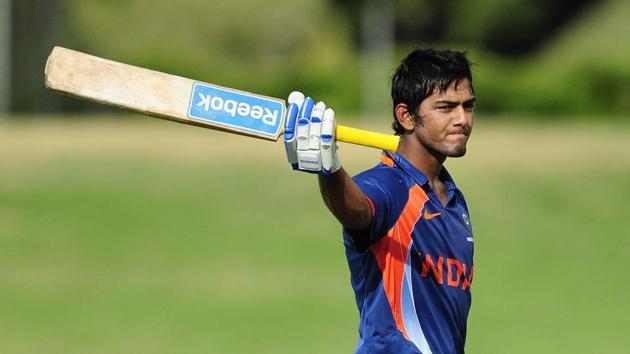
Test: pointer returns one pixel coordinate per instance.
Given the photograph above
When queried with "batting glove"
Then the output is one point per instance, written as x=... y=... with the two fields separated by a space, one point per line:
x=309 y=136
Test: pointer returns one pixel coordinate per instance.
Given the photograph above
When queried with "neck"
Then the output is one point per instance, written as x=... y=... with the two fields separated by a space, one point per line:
x=427 y=161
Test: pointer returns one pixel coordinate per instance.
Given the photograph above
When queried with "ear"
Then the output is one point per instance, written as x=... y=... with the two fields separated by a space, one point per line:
x=404 y=117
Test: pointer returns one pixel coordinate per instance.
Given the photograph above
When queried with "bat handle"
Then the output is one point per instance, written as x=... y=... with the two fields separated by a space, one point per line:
x=367 y=138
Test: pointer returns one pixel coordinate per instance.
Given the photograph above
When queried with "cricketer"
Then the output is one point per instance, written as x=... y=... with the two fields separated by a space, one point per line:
x=406 y=226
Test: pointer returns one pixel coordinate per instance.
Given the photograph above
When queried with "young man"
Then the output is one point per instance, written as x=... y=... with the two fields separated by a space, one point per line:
x=406 y=226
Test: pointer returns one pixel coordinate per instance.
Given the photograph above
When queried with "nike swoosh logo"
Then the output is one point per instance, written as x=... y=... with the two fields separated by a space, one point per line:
x=428 y=216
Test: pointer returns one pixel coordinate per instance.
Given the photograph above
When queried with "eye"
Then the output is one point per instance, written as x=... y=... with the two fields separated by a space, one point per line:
x=469 y=107
x=445 y=108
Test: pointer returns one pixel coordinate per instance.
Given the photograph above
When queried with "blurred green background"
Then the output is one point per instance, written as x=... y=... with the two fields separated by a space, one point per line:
x=120 y=233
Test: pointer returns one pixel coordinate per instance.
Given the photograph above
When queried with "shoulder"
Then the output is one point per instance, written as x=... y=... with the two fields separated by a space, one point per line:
x=383 y=178
x=386 y=188
x=381 y=173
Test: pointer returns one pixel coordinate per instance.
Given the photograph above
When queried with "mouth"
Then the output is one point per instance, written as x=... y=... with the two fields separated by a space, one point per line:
x=460 y=135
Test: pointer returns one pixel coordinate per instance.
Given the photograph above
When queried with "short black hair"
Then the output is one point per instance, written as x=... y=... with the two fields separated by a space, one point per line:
x=423 y=72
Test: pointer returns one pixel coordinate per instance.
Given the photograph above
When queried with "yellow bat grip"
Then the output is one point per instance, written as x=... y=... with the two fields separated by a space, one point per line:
x=367 y=138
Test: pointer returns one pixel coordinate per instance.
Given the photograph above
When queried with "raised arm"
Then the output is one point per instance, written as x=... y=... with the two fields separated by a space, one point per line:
x=309 y=138
x=345 y=200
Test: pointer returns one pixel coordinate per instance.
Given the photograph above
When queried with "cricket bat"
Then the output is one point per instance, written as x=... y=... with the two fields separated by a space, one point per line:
x=180 y=99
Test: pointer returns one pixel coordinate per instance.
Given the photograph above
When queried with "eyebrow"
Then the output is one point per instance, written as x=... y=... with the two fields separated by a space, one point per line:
x=472 y=100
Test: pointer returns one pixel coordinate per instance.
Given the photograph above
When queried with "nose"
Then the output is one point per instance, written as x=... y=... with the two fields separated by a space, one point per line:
x=461 y=116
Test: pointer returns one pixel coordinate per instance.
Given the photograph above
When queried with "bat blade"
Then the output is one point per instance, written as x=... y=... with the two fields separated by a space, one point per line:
x=163 y=95
x=180 y=99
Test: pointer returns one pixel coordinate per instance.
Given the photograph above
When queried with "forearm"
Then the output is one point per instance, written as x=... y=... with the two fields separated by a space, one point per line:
x=345 y=200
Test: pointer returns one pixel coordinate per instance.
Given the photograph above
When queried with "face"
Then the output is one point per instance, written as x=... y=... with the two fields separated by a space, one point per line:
x=447 y=120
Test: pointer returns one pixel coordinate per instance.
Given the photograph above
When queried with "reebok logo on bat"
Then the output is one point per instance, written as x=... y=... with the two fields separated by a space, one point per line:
x=232 y=107
x=236 y=110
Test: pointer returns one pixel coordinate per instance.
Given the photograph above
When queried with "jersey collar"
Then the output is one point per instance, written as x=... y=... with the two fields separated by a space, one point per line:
x=417 y=175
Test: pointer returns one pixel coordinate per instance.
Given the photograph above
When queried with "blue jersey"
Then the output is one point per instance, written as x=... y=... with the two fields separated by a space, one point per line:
x=412 y=270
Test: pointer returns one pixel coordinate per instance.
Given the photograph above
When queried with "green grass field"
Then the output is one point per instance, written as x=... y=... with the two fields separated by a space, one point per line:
x=141 y=236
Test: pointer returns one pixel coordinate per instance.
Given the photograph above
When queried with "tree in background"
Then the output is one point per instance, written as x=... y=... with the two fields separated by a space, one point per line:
x=328 y=48
x=34 y=26
x=5 y=55
x=240 y=43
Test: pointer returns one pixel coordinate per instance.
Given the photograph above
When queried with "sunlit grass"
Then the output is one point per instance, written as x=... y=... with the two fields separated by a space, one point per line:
x=143 y=236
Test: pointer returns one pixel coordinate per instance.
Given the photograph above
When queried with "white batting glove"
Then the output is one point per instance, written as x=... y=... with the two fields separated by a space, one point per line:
x=309 y=136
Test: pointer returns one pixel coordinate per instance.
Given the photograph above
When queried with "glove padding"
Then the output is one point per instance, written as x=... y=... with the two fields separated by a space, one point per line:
x=309 y=136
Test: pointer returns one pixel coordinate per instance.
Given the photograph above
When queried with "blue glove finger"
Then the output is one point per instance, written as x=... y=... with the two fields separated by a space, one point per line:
x=303 y=124
x=290 y=121
x=306 y=109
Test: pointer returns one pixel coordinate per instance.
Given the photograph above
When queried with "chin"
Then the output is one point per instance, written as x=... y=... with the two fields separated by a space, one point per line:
x=455 y=147
x=456 y=152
